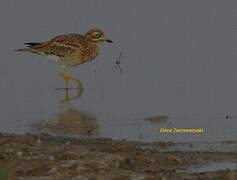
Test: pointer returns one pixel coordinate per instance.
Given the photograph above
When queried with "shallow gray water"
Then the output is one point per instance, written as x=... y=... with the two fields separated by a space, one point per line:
x=214 y=166
x=179 y=60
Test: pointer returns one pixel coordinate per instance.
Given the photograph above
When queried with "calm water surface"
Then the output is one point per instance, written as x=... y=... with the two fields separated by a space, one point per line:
x=179 y=60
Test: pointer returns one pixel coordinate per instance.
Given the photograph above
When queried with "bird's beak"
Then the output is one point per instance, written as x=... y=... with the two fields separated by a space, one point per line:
x=109 y=41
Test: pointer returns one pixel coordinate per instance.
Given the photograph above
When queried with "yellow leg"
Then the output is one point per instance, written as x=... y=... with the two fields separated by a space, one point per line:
x=79 y=84
x=68 y=98
x=66 y=83
x=67 y=77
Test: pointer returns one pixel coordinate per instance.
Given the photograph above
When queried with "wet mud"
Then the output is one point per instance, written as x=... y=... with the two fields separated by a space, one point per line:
x=45 y=157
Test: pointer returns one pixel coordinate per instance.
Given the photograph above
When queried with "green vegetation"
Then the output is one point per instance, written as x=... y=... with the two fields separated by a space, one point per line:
x=3 y=174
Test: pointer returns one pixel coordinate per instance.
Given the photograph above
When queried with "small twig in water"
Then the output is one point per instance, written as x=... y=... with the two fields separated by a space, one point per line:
x=118 y=62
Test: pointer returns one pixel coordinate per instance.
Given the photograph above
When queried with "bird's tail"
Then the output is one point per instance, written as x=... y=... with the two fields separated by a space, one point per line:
x=22 y=49
x=28 y=46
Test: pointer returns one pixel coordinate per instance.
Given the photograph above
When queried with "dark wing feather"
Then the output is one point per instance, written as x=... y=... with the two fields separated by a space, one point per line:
x=32 y=44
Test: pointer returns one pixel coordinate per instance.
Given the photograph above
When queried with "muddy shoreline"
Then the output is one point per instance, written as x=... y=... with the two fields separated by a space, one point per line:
x=45 y=157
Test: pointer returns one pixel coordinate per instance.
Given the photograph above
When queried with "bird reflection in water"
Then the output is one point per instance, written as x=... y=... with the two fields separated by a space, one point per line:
x=69 y=121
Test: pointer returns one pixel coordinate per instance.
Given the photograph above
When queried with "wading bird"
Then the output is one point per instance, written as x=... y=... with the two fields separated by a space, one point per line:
x=69 y=50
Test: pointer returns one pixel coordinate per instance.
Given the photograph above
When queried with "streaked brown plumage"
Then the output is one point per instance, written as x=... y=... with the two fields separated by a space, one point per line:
x=69 y=50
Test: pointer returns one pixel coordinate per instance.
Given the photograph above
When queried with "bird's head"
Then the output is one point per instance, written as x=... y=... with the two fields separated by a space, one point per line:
x=96 y=36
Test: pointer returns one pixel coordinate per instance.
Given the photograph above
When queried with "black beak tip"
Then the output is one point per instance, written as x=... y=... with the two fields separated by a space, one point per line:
x=109 y=41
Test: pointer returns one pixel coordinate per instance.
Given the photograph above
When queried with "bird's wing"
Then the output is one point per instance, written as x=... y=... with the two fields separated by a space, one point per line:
x=68 y=40
x=62 y=45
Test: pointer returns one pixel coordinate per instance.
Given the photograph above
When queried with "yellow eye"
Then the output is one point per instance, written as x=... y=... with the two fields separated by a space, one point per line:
x=97 y=35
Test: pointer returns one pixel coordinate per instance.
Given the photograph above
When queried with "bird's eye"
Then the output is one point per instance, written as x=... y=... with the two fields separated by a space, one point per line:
x=97 y=35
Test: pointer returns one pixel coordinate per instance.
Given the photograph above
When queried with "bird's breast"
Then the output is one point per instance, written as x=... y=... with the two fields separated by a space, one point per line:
x=89 y=53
